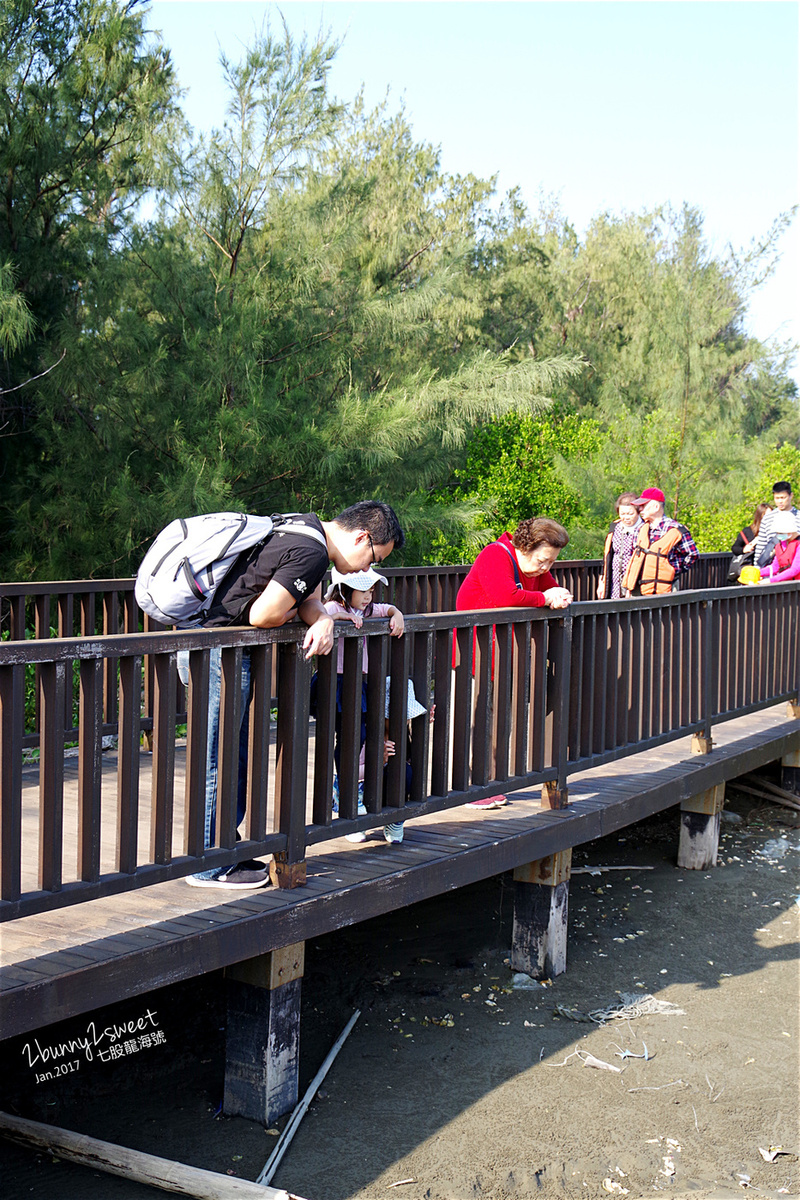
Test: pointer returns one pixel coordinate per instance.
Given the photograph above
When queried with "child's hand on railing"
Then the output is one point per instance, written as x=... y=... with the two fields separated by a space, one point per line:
x=397 y=623
x=388 y=750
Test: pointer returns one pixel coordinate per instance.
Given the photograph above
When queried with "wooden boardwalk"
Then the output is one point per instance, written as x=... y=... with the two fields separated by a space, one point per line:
x=75 y=959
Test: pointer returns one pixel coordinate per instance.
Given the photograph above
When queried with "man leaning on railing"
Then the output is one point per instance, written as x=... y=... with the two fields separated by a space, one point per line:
x=274 y=583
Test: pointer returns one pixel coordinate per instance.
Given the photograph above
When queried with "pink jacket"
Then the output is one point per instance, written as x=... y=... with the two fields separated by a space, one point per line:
x=333 y=608
x=790 y=572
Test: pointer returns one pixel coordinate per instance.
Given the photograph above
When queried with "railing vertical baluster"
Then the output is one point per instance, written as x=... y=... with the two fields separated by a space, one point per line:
x=90 y=750
x=538 y=698
x=624 y=674
x=163 y=777
x=580 y=718
x=443 y=698
x=294 y=679
x=612 y=680
x=228 y=746
x=376 y=721
x=482 y=703
x=65 y=630
x=17 y=618
x=324 y=737
x=716 y=657
x=110 y=625
x=647 y=673
x=12 y=727
x=599 y=682
x=41 y=608
x=128 y=755
x=737 y=638
x=41 y=629
x=150 y=626
x=420 y=742
x=521 y=696
x=51 y=776
x=258 y=741
x=462 y=709
x=88 y=614
x=707 y=608
x=130 y=613
x=657 y=670
x=635 y=678
x=501 y=725
x=350 y=726
x=196 y=753
x=559 y=654
x=400 y=671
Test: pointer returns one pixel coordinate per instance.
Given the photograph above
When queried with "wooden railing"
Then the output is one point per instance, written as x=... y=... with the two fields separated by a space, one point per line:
x=545 y=695
x=89 y=607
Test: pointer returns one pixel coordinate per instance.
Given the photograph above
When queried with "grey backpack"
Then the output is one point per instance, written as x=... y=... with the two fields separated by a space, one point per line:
x=191 y=556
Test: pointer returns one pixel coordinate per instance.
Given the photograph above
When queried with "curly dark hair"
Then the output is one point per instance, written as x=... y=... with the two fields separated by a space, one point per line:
x=539 y=531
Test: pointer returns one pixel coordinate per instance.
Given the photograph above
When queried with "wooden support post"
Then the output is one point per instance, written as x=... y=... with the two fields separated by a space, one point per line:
x=699 y=840
x=283 y=874
x=262 y=1044
x=790 y=763
x=541 y=900
x=790 y=772
x=553 y=796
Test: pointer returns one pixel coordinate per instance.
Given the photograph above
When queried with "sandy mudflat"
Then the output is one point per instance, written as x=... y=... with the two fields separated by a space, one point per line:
x=453 y=1086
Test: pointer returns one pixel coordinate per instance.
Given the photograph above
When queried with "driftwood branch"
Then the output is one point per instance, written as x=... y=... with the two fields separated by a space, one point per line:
x=133 y=1164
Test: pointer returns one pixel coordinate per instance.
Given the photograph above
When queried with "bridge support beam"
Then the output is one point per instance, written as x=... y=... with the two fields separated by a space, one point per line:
x=262 y=1042
x=541 y=902
x=700 y=818
x=790 y=763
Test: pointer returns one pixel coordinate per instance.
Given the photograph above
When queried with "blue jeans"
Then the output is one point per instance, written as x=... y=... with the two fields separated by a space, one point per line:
x=212 y=740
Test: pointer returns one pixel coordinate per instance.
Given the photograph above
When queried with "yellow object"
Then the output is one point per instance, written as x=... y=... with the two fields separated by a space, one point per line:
x=749 y=575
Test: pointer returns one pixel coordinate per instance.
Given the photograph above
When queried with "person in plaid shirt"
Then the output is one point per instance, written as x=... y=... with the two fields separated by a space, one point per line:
x=666 y=549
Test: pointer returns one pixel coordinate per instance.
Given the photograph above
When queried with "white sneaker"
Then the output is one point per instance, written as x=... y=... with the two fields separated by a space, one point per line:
x=240 y=877
x=355 y=837
x=393 y=832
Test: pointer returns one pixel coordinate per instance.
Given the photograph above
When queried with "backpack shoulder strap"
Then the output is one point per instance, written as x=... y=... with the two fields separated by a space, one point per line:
x=517 y=580
x=283 y=521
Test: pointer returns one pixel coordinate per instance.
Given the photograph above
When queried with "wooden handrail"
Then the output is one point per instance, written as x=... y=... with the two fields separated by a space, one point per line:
x=527 y=696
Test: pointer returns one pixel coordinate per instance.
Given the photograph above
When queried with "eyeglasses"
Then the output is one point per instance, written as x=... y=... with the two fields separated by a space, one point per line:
x=375 y=561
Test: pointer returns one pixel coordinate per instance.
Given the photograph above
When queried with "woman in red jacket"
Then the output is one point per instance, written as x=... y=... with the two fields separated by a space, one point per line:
x=515 y=570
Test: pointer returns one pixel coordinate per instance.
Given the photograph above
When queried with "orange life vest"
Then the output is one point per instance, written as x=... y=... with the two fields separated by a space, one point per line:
x=650 y=573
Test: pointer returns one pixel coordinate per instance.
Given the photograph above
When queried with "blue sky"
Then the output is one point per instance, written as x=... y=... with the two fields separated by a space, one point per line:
x=617 y=105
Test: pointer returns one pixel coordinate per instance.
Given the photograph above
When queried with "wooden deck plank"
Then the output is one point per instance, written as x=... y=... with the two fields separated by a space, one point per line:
x=53 y=966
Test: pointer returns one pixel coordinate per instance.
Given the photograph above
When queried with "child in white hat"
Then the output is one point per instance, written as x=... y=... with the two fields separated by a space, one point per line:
x=350 y=598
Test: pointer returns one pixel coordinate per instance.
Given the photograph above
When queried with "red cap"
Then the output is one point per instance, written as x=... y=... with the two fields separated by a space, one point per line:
x=649 y=494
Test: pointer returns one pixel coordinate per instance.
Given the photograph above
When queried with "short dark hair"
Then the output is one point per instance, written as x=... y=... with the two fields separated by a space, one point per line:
x=342 y=593
x=539 y=531
x=378 y=519
x=625 y=498
x=782 y=486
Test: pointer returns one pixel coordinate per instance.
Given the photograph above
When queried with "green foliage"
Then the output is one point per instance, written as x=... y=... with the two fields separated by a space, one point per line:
x=511 y=473
x=314 y=312
x=716 y=528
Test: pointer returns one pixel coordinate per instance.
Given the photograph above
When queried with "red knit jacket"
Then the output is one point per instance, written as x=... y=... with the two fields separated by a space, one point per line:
x=490 y=582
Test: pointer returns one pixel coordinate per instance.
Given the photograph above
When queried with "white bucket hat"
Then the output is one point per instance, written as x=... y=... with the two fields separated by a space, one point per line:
x=415 y=709
x=361 y=581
